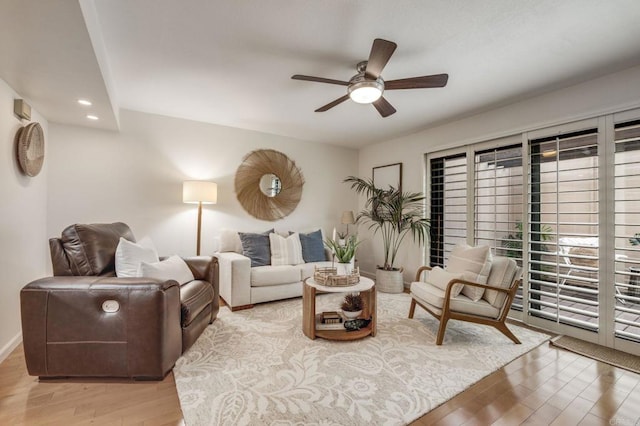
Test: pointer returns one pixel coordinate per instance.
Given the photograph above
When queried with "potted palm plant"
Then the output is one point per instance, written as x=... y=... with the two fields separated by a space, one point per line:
x=395 y=214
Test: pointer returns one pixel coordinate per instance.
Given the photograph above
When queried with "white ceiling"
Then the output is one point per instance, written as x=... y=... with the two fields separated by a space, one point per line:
x=230 y=62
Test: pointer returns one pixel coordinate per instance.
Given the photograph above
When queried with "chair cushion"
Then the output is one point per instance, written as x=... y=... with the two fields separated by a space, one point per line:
x=195 y=296
x=584 y=251
x=503 y=270
x=262 y=276
x=475 y=262
x=566 y=243
x=285 y=250
x=433 y=297
x=440 y=278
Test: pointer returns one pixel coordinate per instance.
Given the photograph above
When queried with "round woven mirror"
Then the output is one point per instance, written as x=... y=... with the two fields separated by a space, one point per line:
x=274 y=196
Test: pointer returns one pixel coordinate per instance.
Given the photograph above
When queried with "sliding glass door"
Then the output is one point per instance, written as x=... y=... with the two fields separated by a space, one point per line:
x=498 y=203
x=563 y=251
x=627 y=231
x=448 y=182
x=564 y=202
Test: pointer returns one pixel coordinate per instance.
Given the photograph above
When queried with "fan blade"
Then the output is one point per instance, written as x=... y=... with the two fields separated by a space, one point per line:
x=425 y=82
x=319 y=79
x=381 y=51
x=332 y=104
x=384 y=107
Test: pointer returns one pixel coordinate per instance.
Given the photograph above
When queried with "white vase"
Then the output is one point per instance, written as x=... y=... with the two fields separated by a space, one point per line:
x=344 y=268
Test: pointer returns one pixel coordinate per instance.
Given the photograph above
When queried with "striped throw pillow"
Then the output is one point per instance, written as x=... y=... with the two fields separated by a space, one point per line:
x=285 y=250
x=475 y=263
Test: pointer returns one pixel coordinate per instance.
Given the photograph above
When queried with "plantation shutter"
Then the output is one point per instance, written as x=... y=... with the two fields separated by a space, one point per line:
x=448 y=206
x=498 y=203
x=563 y=231
x=627 y=229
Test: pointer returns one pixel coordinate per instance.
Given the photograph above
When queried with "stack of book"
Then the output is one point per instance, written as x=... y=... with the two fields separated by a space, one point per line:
x=331 y=320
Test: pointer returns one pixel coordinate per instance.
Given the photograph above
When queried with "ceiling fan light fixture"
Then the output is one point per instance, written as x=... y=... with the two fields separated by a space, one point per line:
x=365 y=91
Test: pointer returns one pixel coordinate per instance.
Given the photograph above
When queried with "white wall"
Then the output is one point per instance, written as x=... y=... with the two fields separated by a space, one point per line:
x=23 y=238
x=136 y=176
x=611 y=93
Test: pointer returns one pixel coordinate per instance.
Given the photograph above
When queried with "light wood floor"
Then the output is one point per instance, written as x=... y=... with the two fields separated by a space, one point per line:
x=544 y=386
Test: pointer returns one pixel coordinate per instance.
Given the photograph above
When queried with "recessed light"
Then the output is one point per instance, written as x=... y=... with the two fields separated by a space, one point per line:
x=84 y=102
x=92 y=117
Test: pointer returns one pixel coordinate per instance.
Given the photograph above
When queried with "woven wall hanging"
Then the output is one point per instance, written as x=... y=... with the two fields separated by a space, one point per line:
x=30 y=148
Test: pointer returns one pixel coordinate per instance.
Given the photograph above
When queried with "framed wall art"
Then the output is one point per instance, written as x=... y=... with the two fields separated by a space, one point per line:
x=388 y=175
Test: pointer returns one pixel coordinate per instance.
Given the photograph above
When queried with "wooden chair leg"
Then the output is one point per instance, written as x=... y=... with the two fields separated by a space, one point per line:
x=412 y=309
x=443 y=326
x=503 y=328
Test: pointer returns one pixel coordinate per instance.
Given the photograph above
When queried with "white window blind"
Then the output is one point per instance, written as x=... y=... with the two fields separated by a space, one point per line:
x=498 y=203
x=563 y=253
x=627 y=230
x=448 y=206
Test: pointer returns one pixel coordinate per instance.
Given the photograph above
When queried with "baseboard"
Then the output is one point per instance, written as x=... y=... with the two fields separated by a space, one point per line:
x=10 y=346
x=240 y=308
x=234 y=308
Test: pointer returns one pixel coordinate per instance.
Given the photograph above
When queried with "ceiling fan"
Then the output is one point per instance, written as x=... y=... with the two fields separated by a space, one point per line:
x=367 y=85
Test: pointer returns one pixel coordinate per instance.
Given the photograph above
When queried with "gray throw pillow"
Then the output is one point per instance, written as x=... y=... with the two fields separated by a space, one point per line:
x=312 y=247
x=256 y=247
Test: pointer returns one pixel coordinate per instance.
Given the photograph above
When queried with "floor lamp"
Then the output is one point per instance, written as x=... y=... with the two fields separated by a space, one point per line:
x=348 y=219
x=199 y=192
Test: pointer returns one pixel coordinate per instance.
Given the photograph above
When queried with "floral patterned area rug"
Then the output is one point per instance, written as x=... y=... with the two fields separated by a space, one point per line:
x=256 y=367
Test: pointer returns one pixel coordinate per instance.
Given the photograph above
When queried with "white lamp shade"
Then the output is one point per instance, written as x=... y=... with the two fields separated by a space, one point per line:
x=198 y=191
x=348 y=217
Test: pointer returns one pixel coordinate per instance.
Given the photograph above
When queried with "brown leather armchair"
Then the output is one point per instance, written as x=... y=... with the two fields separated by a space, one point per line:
x=86 y=322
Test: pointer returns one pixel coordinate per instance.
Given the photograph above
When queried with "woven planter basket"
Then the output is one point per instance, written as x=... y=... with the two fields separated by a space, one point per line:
x=389 y=281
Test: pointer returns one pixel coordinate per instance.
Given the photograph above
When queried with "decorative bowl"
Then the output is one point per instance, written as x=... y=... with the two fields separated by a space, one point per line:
x=352 y=314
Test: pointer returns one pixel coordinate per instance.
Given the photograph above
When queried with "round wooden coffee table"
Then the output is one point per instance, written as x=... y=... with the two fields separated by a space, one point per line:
x=367 y=289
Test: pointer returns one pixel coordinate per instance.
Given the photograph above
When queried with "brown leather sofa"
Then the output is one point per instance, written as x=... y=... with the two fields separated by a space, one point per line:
x=86 y=322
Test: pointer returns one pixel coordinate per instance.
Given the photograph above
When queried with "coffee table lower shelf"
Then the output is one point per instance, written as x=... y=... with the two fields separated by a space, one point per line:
x=367 y=290
x=344 y=334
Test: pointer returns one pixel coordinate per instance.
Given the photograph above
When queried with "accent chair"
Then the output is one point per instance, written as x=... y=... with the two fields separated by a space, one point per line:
x=491 y=308
x=86 y=322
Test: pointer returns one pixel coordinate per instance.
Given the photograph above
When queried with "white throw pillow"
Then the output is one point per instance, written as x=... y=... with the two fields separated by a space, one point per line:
x=129 y=256
x=230 y=241
x=285 y=251
x=475 y=263
x=173 y=268
x=440 y=278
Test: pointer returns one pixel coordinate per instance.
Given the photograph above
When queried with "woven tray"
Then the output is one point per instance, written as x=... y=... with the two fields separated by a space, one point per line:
x=330 y=277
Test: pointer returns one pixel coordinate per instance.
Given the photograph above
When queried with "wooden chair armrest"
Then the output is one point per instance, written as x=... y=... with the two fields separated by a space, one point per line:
x=421 y=270
x=473 y=284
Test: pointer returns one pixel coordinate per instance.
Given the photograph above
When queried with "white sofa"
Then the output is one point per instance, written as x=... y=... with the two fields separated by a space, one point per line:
x=242 y=286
